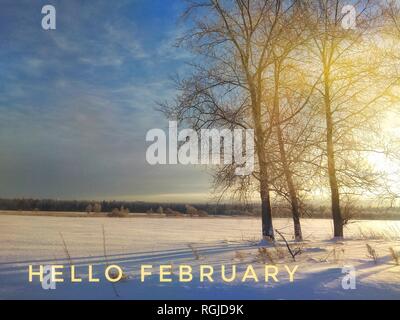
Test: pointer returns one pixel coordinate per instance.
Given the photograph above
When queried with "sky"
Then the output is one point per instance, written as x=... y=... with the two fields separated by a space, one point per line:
x=76 y=102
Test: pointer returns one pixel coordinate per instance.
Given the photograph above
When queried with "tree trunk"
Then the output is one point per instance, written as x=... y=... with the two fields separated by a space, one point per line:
x=335 y=197
x=266 y=211
x=291 y=188
x=285 y=165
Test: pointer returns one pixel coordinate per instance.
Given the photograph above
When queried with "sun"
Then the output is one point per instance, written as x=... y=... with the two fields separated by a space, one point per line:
x=384 y=163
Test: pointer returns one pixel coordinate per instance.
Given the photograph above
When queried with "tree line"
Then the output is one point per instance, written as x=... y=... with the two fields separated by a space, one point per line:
x=27 y=204
x=252 y=209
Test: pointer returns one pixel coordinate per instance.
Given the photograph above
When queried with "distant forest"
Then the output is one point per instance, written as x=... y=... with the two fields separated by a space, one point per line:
x=210 y=209
x=131 y=206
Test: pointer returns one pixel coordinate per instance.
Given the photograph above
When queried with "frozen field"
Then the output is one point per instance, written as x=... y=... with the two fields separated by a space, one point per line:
x=133 y=242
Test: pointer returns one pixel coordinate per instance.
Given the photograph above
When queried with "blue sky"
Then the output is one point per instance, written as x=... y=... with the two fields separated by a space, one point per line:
x=76 y=102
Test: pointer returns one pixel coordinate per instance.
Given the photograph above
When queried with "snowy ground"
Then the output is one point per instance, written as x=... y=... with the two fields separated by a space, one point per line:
x=131 y=243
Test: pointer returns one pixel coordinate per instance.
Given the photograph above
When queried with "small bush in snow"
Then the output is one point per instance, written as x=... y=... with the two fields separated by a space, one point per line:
x=194 y=251
x=280 y=252
x=372 y=253
x=97 y=207
x=202 y=213
x=190 y=210
x=395 y=255
x=264 y=255
x=160 y=210
x=173 y=213
x=239 y=256
x=119 y=213
x=349 y=212
x=89 y=208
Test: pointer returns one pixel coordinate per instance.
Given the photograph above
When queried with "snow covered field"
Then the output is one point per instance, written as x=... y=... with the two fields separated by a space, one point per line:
x=214 y=242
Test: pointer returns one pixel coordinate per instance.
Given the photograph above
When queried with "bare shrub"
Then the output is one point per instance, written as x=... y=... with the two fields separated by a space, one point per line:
x=264 y=255
x=390 y=233
x=349 y=212
x=337 y=254
x=202 y=213
x=293 y=251
x=280 y=252
x=371 y=253
x=119 y=213
x=160 y=210
x=370 y=234
x=97 y=208
x=172 y=213
x=125 y=210
x=66 y=251
x=190 y=210
x=89 y=208
x=194 y=251
x=395 y=255
x=239 y=256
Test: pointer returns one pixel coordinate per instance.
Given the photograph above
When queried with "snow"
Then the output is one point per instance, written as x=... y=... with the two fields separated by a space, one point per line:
x=228 y=241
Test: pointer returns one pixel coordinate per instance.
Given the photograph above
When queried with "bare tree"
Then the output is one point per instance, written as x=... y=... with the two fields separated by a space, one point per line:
x=391 y=32
x=89 y=208
x=350 y=91
x=234 y=41
x=289 y=96
x=97 y=207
